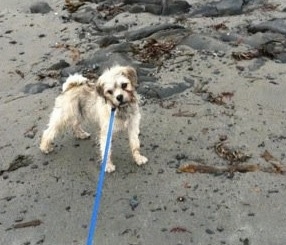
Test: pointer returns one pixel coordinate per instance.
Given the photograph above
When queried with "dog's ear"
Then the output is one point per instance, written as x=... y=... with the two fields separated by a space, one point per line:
x=131 y=74
x=99 y=88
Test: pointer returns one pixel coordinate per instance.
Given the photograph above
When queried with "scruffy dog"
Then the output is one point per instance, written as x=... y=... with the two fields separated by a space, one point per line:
x=82 y=99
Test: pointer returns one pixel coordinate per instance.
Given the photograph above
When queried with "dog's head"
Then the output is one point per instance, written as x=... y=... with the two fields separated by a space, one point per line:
x=117 y=85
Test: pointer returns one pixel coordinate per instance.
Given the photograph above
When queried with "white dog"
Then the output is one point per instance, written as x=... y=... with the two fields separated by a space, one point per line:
x=85 y=99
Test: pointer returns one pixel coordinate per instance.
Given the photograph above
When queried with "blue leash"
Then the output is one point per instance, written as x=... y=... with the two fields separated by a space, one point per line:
x=98 y=193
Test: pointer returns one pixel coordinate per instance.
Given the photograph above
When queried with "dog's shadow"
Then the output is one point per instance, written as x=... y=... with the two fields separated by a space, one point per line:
x=83 y=155
x=86 y=152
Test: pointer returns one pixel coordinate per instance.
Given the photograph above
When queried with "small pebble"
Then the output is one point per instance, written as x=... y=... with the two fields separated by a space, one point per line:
x=210 y=232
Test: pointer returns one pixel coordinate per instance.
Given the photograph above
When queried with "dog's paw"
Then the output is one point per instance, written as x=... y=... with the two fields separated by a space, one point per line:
x=46 y=149
x=140 y=160
x=82 y=135
x=110 y=167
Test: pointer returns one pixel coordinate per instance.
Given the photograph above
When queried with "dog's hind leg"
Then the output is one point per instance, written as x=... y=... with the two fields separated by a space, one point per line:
x=55 y=126
x=78 y=131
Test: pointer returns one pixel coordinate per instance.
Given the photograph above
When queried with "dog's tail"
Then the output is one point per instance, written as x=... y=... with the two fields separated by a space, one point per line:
x=74 y=81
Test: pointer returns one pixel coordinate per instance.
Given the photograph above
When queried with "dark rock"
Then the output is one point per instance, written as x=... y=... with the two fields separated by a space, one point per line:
x=155 y=91
x=133 y=202
x=116 y=28
x=255 y=40
x=35 y=88
x=190 y=81
x=146 y=79
x=250 y=5
x=115 y=54
x=173 y=35
x=257 y=64
x=161 y=171
x=148 y=91
x=107 y=40
x=221 y=8
x=95 y=1
x=275 y=25
x=122 y=47
x=26 y=243
x=101 y=60
x=230 y=37
x=259 y=38
x=207 y=11
x=173 y=164
x=210 y=232
x=274 y=49
x=84 y=15
x=158 y=2
x=158 y=7
x=40 y=8
x=281 y=57
x=245 y=241
x=147 y=31
x=71 y=70
x=19 y=161
x=60 y=65
x=5 y=176
x=41 y=240
x=45 y=163
x=202 y=42
x=181 y=156
x=177 y=7
x=8 y=198
x=220 y=228
x=34 y=166
x=153 y=9
x=86 y=193
x=134 y=9
x=229 y=7
x=128 y=216
x=30 y=133
x=13 y=42
x=19 y=219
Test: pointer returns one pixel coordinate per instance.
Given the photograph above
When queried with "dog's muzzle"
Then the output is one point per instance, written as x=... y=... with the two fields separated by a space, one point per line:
x=121 y=101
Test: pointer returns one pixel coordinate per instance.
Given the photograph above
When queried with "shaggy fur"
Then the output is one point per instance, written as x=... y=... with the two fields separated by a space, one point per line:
x=84 y=99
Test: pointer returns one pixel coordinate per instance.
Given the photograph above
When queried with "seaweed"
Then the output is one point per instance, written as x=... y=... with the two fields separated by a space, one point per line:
x=153 y=50
x=201 y=168
x=223 y=151
x=73 y=6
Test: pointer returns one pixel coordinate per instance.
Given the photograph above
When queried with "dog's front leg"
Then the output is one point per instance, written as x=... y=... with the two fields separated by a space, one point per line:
x=110 y=167
x=133 y=134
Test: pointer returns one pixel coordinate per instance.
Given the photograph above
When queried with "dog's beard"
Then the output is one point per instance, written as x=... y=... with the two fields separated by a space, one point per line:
x=122 y=105
x=117 y=104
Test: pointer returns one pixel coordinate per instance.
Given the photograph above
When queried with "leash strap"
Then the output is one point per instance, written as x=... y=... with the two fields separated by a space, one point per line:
x=98 y=193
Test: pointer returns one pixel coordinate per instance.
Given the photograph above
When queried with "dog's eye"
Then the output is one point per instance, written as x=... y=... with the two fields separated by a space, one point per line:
x=110 y=92
x=124 y=85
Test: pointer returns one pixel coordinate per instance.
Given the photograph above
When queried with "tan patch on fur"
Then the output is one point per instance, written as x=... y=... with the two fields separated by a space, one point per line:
x=70 y=86
x=99 y=88
x=131 y=74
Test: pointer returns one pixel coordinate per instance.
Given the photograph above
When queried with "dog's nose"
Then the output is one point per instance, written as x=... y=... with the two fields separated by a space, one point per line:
x=119 y=97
